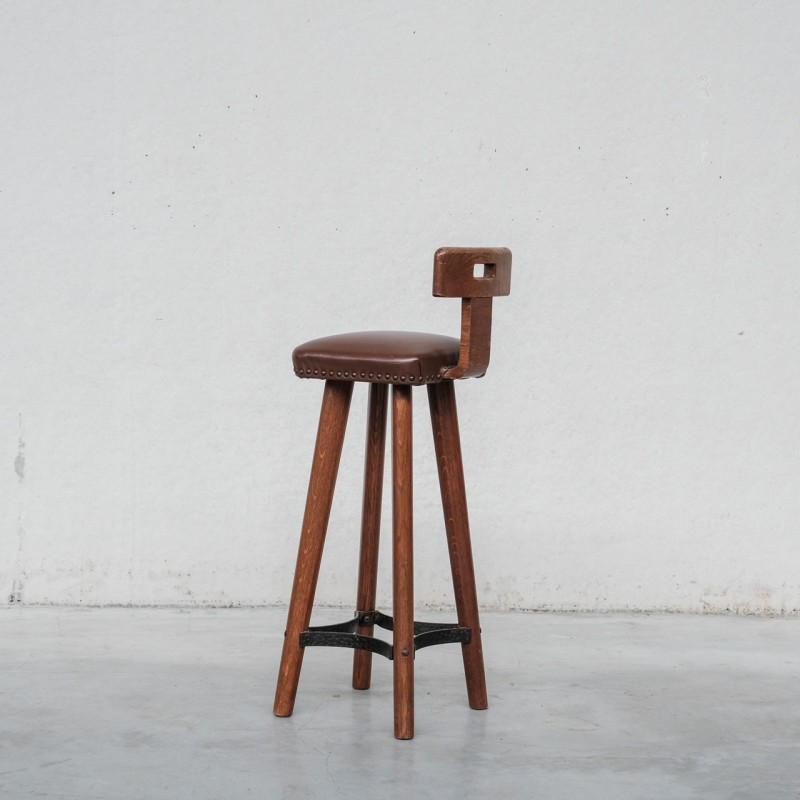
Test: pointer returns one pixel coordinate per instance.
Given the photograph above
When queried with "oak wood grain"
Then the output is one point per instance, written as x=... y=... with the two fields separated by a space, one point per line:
x=403 y=563
x=370 y=525
x=447 y=443
x=327 y=453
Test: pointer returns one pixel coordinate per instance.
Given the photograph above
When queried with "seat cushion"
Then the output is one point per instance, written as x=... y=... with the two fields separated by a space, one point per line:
x=377 y=357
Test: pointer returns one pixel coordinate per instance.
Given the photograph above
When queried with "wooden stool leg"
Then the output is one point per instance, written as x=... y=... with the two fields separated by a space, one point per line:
x=328 y=450
x=370 y=525
x=403 y=563
x=444 y=420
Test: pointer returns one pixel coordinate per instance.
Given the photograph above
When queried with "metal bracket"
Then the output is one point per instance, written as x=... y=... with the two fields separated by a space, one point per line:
x=343 y=634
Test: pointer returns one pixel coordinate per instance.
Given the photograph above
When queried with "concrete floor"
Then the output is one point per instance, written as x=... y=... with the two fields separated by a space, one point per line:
x=130 y=704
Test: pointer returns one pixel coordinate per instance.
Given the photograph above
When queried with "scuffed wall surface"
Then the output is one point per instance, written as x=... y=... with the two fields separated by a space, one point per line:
x=189 y=190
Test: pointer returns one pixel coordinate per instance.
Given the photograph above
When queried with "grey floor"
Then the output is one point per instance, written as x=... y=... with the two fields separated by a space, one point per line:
x=127 y=704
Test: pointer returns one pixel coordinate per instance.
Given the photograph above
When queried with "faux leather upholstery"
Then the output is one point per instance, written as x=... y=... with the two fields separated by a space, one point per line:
x=377 y=357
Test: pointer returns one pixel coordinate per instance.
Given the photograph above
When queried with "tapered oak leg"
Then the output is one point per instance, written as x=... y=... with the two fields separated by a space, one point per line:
x=403 y=563
x=370 y=525
x=328 y=450
x=444 y=419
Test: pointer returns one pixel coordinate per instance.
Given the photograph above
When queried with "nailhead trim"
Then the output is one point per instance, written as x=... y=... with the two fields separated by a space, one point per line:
x=379 y=376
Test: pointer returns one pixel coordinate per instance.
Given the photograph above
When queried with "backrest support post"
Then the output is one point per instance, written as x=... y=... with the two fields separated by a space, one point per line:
x=476 y=336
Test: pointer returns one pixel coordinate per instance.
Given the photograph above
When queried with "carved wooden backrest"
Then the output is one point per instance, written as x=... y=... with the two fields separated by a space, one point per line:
x=475 y=274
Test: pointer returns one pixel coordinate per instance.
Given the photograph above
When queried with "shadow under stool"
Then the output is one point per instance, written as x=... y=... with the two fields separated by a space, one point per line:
x=401 y=360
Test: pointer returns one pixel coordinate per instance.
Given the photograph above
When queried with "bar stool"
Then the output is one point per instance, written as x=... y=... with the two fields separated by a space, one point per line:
x=402 y=360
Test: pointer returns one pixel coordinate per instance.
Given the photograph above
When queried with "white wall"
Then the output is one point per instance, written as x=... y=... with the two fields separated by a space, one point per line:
x=188 y=190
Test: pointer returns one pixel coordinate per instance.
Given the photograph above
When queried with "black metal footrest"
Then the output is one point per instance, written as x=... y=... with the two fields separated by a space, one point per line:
x=344 y=634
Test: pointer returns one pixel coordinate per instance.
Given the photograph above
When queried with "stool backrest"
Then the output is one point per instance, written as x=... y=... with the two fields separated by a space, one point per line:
x=475 y=274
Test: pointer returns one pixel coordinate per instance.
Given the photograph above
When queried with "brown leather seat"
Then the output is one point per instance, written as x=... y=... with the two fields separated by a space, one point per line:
x=377 y=357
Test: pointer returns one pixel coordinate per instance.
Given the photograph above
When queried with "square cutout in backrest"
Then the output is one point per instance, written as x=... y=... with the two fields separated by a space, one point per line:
x=484 y=270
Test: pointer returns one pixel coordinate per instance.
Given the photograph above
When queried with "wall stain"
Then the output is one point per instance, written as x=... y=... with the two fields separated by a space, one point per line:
x=16 y=592
x=19 y=461
x=15 y=596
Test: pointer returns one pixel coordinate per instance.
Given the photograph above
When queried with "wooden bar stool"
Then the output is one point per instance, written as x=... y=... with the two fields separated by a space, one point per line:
x=402 y=360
